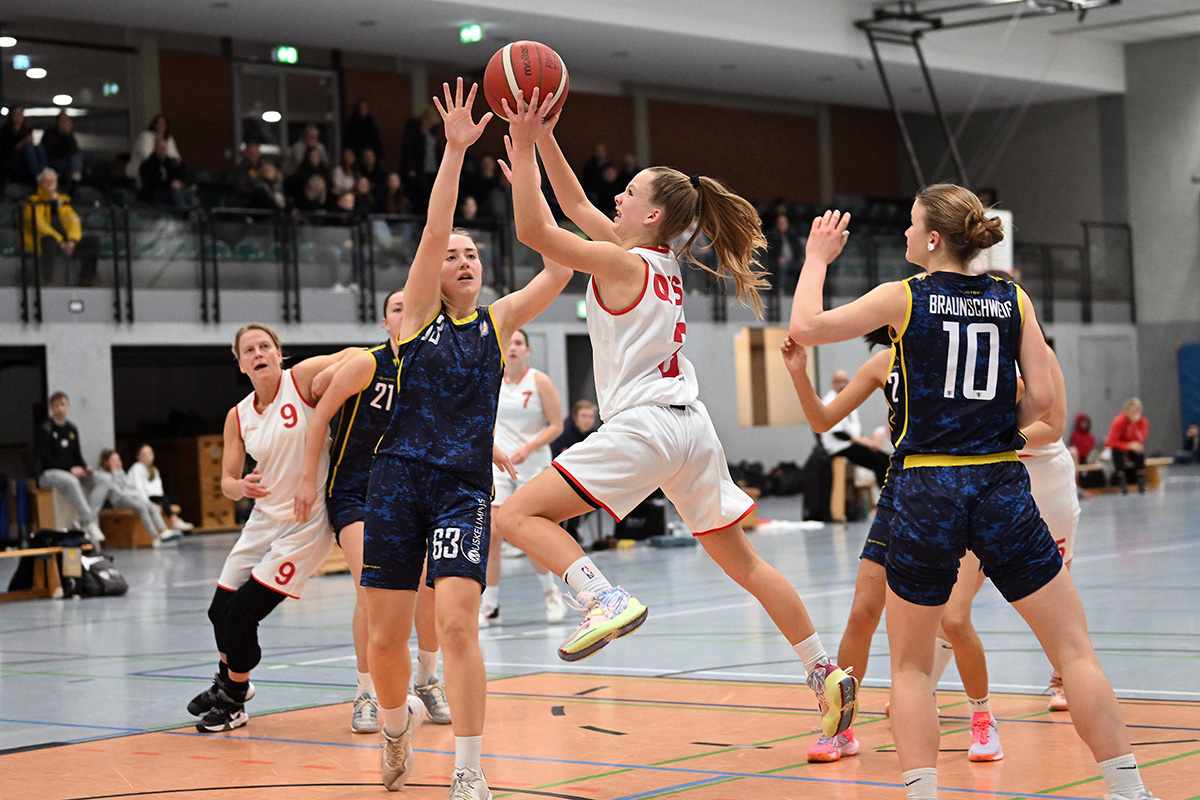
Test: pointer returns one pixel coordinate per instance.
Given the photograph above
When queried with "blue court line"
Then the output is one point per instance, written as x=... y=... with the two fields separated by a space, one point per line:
x=74 y=725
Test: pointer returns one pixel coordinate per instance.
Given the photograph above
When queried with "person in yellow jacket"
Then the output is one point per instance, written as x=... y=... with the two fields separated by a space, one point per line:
x=49 y=216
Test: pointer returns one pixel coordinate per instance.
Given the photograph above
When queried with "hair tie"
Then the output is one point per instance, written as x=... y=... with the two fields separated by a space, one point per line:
x=695 y=179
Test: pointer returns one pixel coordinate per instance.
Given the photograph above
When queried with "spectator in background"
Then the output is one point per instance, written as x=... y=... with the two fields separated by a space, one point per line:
x=481 y=184
x=299 y=186
x=629 y=169
x=395 y=201
x=20 y=158
x=1127 y=441
x=363 y=199
x=54 y=232
x=419 y=157
x=360 y=131
x=345 y=173
x=1190 y=453
x=368 y=167
x=122 y=493
x=143 y=145
x=607 y=190
x=783 y=246
x=576 y=428
x=164 y=179
x=60 y=466
x=148 y=480
x=1082 y=442
x=63 y=154
x=313 y=197
x=845 y=438
x=593 y=170
x=297 y=153
x=245 y=174
x=266 y=189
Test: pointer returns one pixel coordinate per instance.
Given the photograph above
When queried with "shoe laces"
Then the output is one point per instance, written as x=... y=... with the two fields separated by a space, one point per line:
x=1055 y=683
x=463 y=785
x=612 y=601
x=981 y=729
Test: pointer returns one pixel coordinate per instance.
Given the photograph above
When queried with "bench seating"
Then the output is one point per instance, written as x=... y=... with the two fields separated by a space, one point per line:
x=46 y=580
x=1153 y=471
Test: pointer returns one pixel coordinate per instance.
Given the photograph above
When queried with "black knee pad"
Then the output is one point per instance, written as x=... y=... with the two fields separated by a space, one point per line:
x=249 y=606
x=216 y=615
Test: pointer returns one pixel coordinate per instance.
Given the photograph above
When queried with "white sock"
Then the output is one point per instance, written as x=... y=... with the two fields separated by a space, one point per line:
x=943 y=651
x=921 y=783
x=426 y=666
x=980 y=706
x=490 y=598
x=811 y=652
x=395 y=720
x=1121 y=774
x=467 y=750
x=584 y=577
x=548 y=583
x=365 y=684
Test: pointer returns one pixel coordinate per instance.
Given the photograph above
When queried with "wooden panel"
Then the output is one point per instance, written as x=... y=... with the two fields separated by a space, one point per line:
x=866 y=152
x=194 y=464
x=197 y=97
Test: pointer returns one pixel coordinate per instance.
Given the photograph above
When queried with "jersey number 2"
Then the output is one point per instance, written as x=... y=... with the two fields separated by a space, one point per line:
x=973 y=331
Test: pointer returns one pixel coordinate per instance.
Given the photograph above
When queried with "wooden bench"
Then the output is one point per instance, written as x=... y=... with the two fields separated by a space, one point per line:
x=843 y=478
x=46 y=580
x=123 y=529
x=1153 y=472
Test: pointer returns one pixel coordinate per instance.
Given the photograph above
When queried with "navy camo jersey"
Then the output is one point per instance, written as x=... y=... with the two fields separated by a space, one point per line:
x=446 y=393
x=956 y=359
x=360 y=423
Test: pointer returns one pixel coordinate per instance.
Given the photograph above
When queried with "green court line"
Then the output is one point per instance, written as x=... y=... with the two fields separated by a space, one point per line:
x=1140 y=767
x=583 y=778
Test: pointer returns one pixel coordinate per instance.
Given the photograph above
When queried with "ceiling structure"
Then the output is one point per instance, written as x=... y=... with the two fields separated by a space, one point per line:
x=793 y=50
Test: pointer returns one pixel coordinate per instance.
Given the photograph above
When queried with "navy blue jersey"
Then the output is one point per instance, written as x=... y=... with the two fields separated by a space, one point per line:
x=360 y=423
x=956 y=391
x=446 y=394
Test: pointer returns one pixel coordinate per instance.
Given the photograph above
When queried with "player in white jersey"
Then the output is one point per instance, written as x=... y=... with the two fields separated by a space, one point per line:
x=528 y=418
x=656 y=432
x=275 y=555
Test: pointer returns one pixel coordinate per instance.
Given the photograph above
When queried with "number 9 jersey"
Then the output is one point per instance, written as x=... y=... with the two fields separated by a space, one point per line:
x=956 y=359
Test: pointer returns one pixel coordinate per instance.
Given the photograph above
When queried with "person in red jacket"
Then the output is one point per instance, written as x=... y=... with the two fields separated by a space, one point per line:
x=1127 y=440
x=1082 y=442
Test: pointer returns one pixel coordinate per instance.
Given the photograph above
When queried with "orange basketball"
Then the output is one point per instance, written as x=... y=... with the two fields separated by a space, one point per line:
x=525 y=66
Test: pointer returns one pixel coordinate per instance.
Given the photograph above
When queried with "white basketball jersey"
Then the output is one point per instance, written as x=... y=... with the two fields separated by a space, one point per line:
x=1046 y=451
x=520 y=417
x=275 y=440
x=636 y=353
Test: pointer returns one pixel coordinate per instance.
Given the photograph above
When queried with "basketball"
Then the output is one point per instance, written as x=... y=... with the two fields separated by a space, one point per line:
x=525 y=66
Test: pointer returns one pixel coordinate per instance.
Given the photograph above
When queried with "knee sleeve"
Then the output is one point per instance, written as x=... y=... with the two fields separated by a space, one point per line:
x=249 y=605
x=216 y=615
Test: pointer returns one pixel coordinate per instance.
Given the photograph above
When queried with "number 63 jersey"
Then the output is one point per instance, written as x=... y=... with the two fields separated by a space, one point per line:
x=359 y=424
x=955 y=366
x=275 y=440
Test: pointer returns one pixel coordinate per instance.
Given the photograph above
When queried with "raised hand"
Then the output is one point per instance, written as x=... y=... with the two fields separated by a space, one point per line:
x=828 y=236
x=527 y=124
x=795 y=356
x=461 y=131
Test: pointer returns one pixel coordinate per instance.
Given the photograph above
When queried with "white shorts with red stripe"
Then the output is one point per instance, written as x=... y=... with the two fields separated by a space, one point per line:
x=281 y=554
x=1052 y=483
x=645 y=447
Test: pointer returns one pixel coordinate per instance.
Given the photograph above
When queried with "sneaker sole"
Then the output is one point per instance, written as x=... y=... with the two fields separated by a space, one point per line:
x=843 y=706
x=356 y=728
x=239 y=720
x=986 y=756
x=627 y=628
x=200 y=709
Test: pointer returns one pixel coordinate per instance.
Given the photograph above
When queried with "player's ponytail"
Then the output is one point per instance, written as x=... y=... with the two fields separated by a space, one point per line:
x=691 y=204
x=958 y=215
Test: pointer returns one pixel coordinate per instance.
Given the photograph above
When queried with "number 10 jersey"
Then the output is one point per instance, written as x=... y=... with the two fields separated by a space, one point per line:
x=957 y=362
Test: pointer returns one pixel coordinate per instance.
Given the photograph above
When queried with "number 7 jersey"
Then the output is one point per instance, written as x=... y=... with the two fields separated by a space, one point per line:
x=953 y=388
x=636 y=352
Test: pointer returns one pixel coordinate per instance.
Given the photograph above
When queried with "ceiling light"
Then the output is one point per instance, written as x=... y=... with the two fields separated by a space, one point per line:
x=62 y=99
x=20 y=62
x=271 y=116
x=35 y=72
x=7 y=41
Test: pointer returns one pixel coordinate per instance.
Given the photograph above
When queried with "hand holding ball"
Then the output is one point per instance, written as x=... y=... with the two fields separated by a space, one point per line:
x=525 y=66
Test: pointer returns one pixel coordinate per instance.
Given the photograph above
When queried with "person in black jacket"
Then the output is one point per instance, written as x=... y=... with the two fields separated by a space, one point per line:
x=164 y=179
x=419 y=158
x=61 y=466
x=360 y=131
x=62 y=150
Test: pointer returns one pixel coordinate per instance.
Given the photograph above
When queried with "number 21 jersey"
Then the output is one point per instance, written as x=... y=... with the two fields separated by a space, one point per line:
x=957 y=362
x=360 y=423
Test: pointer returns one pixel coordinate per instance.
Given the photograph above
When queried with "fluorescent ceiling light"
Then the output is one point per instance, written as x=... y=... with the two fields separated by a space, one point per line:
x=35 y=72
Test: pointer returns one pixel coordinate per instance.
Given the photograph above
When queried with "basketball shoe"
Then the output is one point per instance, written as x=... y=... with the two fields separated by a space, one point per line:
x=469 y=785
x=985 y=738
x=607 y=616
x=395 y=758
x=1058 y=696
x=225 y=715
x=1143 y=794
x=366 y=714
x=837 y=697
x=489 y=615
x=201 y=703
x=433 y=695
x=832 y=749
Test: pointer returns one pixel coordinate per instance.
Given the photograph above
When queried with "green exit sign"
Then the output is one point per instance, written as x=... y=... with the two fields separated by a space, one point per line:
x=285 y=55
x=470 y=33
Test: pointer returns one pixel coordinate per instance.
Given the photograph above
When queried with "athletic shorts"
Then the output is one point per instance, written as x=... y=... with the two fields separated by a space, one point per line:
x=505 y=484
x=417 y=512
x=875 y=548
x=646 y=447
x=942 y=511
x=1052 y=480
x=281 y=554
x=346 y=507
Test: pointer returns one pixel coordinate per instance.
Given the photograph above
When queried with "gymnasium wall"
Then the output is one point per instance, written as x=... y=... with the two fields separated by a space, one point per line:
x=197 y=97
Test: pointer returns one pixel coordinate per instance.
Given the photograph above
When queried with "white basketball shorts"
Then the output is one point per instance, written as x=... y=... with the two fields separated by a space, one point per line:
x=1052 y=481
x=281 y=554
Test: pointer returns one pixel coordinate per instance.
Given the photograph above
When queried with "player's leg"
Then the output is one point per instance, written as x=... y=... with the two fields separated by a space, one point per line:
x=489 y=604
x=911 y=629
x=426 y=684
x=365 y=716
x=390 y=618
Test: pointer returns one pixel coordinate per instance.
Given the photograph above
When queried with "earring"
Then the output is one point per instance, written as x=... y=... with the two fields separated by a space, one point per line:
x=931 y=246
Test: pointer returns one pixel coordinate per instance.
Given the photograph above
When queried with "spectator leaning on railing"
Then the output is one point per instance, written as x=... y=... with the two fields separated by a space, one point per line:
x=53 y=231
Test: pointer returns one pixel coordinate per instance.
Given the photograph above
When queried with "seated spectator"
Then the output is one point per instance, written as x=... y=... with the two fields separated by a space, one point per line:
x=1190 y=452
x=299 y=186
x=246 y=174
x=148 y=481
x=1127 y=442
x=1082 y=442
x=122 y=493
x=20 y=159
x=297 y=153
x=266 y=190
x=368 y=167
x=394 y=200
x=845 y=438
x=314 y=196
x=360 y=132
x=62 y=148
x=366 y=199
x=60 y=466
x=164 y=179
x=54 y=233
x=482 y=184
x=345 y=173
x=143 y=145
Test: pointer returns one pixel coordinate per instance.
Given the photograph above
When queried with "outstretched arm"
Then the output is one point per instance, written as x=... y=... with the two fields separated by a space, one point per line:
x=308 y=369
x=422 y=291
x=871 y=375
x=571 y=197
